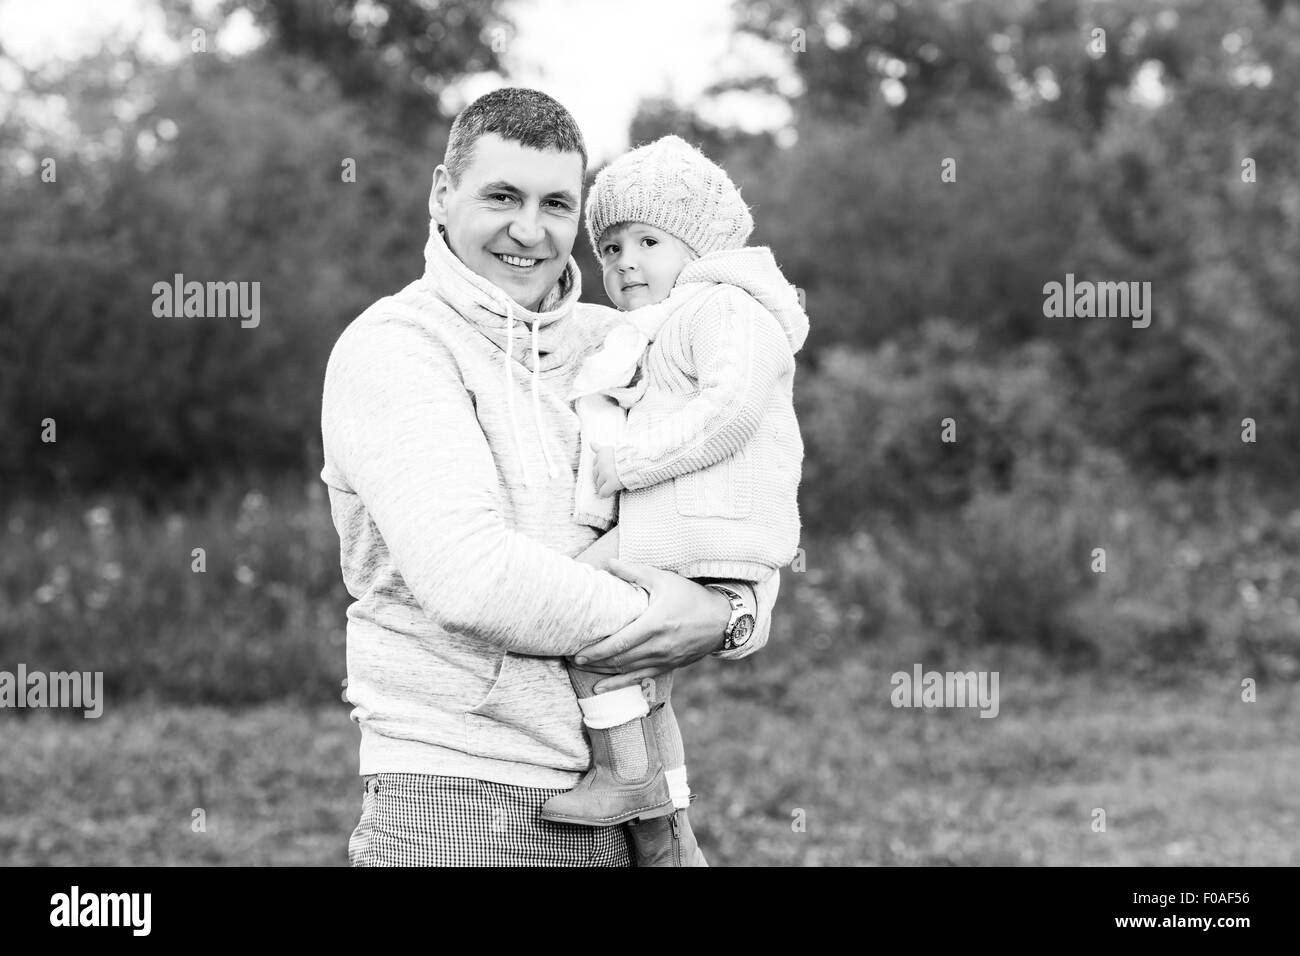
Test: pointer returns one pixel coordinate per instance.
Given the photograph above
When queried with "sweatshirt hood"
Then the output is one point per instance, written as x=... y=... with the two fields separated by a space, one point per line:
x=487 y=306
x=754 y=269
x=536 y=340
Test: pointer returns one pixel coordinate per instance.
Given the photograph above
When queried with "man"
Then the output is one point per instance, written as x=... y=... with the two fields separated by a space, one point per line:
x=450 y=455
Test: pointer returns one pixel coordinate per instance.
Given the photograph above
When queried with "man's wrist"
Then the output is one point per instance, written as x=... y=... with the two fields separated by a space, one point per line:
x=724 y=604
x=746 y=592
x=748 y=604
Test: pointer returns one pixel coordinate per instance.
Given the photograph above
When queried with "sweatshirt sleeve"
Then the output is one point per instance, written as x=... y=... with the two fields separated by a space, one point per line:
x=400 y=426
x=740 y=352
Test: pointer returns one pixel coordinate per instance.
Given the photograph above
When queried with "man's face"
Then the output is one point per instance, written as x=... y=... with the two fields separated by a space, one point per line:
x=514 y=217
x=640 y=263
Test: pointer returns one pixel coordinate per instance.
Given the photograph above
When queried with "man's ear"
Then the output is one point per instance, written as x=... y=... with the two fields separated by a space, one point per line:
x=438 y=195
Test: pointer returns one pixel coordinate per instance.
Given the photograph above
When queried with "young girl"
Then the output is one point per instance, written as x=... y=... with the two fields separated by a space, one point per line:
x=705 y=461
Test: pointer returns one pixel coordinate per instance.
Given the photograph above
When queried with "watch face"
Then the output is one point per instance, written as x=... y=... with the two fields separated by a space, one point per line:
x=744 y=628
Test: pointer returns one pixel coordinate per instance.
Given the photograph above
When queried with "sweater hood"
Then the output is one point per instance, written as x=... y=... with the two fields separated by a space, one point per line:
x=536 y=340
x=495 y=315
x=754 y=269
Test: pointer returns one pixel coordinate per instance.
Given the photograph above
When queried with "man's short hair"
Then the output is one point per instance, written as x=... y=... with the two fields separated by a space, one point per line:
x=528 y=117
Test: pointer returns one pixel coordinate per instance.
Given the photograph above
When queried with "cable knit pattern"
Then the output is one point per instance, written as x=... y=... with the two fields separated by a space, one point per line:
x=672 y=185
x=711 y=455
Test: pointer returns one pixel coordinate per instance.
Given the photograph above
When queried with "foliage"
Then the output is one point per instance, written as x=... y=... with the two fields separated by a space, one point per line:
x=925 y=296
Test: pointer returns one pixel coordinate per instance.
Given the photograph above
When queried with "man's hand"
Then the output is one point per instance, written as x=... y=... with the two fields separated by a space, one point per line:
x=603 y=470
x=684 y=622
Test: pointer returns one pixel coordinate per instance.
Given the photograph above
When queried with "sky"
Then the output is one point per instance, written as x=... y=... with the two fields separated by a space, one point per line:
x=599 y=58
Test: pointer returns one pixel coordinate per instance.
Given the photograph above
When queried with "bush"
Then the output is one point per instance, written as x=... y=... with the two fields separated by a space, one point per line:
x=106 y=585
x=872 y=424
x=245 y=186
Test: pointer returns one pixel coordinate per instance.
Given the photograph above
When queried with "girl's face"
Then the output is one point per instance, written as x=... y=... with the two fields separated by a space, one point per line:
x=640 y=263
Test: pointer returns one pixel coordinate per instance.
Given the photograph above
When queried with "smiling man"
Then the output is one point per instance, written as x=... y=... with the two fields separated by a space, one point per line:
x=476 y=196
x=450 y=456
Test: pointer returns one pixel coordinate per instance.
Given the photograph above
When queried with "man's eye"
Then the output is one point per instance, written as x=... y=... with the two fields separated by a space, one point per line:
x=559 y=203
x=500 y=197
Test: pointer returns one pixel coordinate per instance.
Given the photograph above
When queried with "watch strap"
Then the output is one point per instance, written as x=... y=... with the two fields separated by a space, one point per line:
x=738 y=610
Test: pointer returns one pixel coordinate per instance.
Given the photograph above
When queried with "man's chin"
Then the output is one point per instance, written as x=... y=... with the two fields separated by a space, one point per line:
x=523 y=288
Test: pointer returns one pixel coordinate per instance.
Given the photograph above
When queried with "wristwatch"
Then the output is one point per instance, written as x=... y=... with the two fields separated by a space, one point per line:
x=741 y=625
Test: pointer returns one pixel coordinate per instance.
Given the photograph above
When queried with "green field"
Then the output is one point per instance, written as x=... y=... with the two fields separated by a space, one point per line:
x=1187 y=775
x=221 y=693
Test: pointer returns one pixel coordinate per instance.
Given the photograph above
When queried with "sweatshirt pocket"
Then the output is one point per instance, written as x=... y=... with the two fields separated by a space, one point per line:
x=725 y=489
x=497 y=690
x=529 y=715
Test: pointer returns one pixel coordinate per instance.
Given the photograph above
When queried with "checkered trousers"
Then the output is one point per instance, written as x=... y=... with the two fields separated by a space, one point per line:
x=411 y=819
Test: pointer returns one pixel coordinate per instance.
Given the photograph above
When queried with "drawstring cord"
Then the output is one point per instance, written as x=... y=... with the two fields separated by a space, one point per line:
x=537 y=407
x=510 y=391
x=510 y=396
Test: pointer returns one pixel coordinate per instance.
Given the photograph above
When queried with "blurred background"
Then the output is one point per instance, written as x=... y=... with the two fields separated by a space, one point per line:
x=217 y=154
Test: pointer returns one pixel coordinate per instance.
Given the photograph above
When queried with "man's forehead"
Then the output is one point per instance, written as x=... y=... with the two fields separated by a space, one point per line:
x=496 y=159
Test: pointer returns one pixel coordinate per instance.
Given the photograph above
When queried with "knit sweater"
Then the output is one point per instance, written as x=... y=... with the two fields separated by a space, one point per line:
x=711 y=453
x=450 y=451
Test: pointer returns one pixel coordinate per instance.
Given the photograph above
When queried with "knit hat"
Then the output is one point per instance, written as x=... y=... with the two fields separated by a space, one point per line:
x=671 y=185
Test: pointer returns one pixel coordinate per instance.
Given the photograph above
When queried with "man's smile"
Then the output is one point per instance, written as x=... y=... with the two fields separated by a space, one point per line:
x=524 y=263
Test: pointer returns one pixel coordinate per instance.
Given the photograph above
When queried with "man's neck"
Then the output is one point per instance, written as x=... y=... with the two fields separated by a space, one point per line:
x=536 y=306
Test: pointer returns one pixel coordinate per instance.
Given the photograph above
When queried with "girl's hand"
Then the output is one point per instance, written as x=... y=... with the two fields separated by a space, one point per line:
x=605 y=473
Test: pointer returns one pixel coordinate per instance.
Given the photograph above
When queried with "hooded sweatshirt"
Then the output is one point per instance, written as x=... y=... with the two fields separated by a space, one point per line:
x=711 y=453
x=450 y=449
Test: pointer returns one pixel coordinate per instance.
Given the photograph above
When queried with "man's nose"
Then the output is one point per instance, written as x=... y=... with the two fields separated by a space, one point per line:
x=526 y=227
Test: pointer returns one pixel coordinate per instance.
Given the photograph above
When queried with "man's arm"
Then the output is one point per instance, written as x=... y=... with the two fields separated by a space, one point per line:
x=759 y=599
x=634 y=653
x=399 y=424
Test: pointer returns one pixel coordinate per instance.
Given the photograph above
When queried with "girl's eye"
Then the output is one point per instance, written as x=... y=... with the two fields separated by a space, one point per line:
x=609 y=248
x=651 y=240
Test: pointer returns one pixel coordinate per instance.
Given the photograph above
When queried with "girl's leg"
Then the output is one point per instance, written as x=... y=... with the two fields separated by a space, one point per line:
x=668 y=841
x=626 y=781
x=669 y=737
x=628 y=744
x=637 y=764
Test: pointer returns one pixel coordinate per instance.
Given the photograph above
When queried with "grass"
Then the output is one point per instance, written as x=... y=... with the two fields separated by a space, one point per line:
x=1187 y=775
x=222 y=690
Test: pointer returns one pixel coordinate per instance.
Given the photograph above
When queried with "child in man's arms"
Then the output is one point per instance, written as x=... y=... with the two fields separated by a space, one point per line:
x=688 y=415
